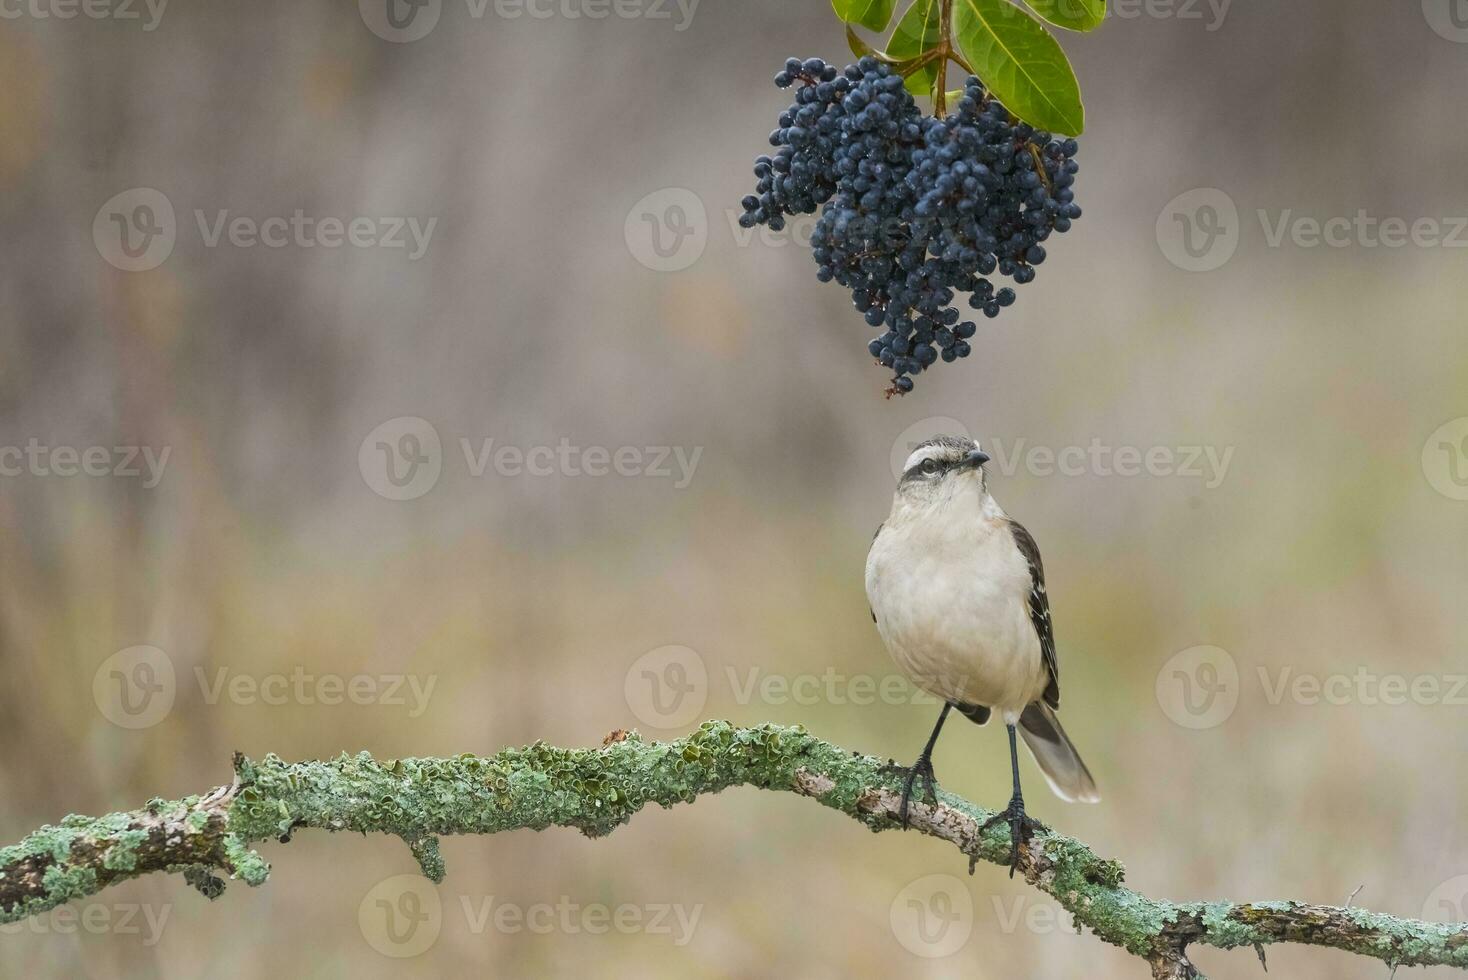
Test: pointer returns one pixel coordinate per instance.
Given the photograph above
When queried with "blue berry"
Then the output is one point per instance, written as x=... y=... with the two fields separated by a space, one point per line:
x=913 y=210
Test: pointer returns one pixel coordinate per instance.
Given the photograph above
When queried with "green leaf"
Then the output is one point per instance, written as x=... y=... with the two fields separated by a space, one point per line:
x=1076 y=15
x=1021 y=64
x=919 y=31
x=874 y=15
x=859 y=46
x=862 y=49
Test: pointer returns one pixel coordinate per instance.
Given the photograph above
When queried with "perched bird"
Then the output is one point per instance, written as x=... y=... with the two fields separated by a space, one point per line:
x=957 y=591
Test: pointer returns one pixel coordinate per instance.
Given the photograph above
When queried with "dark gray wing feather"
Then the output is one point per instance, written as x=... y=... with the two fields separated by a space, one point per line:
x=1039 y=608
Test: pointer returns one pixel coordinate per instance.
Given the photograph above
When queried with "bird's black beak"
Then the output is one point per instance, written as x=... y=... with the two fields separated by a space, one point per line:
x=976 y=459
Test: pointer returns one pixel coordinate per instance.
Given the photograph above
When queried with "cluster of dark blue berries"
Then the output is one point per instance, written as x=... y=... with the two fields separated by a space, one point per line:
x=915 y=210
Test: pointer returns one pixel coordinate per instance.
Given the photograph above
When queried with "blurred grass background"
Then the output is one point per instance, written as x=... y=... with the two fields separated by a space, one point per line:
x=1325 y=549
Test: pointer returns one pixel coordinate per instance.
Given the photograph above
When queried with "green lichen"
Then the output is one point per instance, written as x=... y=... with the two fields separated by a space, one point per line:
x=1227 y=930
x=430 y=861
x=64 y=884
x=244 y=863
x=596 y=790
x=122 y=849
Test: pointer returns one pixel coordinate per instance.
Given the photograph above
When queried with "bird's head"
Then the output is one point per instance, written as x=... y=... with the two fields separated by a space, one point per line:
x=941 y=470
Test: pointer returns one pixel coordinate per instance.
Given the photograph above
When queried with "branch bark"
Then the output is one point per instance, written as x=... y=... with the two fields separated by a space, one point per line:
x=598 y=790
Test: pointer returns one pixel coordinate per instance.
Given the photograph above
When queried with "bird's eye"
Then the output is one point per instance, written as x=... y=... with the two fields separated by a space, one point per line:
x=930 y=466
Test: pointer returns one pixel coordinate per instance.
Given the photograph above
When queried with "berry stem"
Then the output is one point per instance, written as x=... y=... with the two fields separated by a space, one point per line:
x=945 y=31
x=1039 y=166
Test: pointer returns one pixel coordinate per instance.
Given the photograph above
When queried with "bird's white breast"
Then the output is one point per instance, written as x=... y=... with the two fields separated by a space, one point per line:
x=949 y=590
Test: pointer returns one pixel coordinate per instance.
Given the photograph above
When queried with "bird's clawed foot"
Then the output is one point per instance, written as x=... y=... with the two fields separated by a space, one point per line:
x=923 y=768
x=1021 y=827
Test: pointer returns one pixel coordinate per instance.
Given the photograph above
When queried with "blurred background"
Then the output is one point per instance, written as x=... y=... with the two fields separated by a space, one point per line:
x=426 y=356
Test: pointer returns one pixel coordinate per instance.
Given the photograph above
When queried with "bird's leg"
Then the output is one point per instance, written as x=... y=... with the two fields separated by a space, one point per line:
x=1020 y=823
x=923 y=767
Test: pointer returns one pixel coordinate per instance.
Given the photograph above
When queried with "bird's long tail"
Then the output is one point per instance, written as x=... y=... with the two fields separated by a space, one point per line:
x=1057 y=757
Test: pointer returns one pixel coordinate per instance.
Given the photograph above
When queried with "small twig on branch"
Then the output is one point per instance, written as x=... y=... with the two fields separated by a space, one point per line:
x=598 y=790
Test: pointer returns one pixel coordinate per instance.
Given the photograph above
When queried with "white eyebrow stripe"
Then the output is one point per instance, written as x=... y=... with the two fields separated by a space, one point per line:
x=922 y=453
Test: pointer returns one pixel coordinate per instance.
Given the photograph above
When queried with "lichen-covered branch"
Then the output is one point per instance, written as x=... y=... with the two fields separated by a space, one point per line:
x=597 y=790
